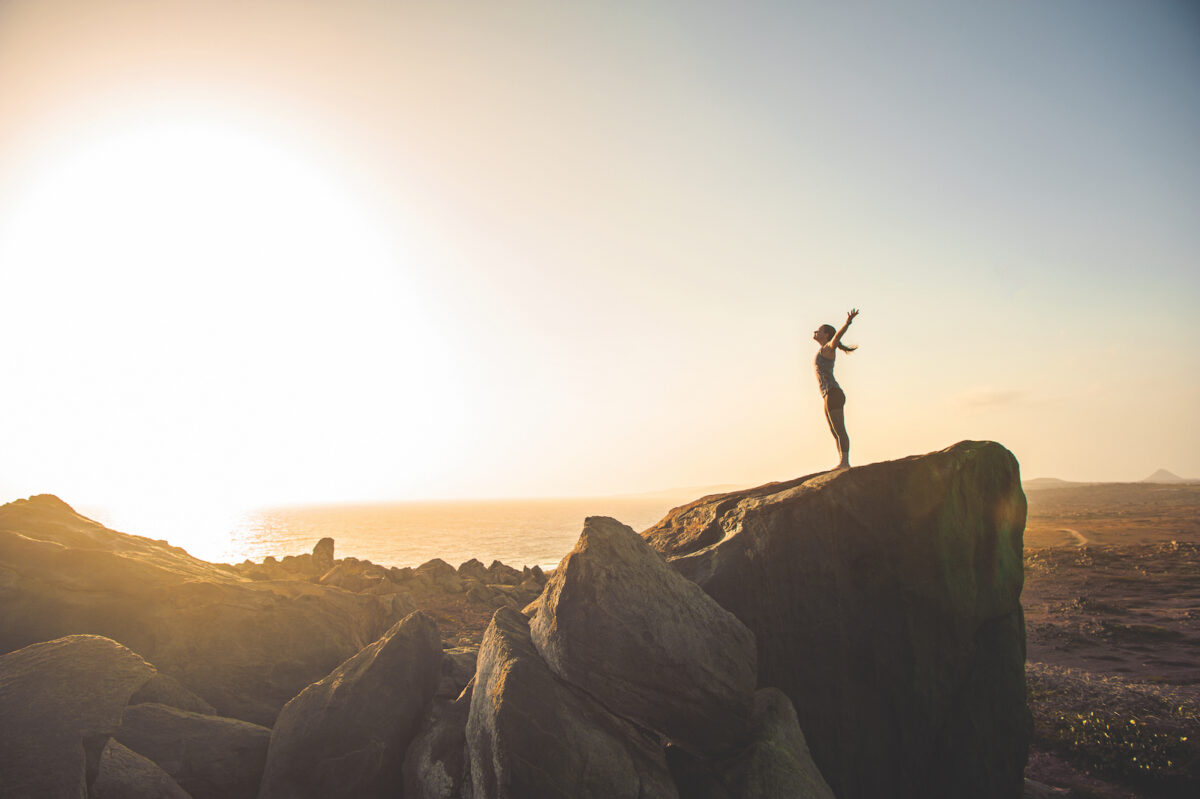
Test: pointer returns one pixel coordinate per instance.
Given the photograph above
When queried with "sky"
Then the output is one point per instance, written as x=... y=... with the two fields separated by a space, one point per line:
x=265 y=253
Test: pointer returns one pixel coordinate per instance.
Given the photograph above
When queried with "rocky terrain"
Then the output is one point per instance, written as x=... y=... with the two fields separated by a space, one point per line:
x=849 y=634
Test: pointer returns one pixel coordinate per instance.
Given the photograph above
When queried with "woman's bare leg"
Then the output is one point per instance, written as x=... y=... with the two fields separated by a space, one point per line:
x=833 y=430
x=837 y=423
x=835 y=414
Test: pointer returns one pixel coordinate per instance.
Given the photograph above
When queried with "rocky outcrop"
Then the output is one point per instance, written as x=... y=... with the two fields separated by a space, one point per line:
x=124 y=774
x=531 y=734
x=621 y=624
x=245 y=647
x=885 y=601
x=208 y=756
x=57 y=699
x=345 y=736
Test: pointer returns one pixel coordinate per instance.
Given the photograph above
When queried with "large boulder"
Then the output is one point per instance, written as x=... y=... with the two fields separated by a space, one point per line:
x=885 y=601
x=530 y=734
x=124 y=774
x=245 y=647
x=57 y=697
x=346 y=735
x=620 y=623
x=209 y=756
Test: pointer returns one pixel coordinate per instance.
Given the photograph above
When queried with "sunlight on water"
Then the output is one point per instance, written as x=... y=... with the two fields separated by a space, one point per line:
x=516 y=532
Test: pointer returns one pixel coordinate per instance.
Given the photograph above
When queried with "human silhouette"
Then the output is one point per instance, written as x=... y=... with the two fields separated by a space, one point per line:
x=835 y=399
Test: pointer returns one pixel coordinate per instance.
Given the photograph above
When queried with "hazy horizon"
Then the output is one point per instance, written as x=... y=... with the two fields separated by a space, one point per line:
x=258 y=255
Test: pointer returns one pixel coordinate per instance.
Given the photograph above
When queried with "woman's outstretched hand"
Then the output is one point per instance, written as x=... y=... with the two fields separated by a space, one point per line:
x=850 y=316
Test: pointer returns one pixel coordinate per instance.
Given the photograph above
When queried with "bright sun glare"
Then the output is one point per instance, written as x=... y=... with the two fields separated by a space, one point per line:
x=199 y=314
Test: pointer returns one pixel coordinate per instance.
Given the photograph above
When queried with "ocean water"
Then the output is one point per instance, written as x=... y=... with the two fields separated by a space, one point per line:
x=516 y=532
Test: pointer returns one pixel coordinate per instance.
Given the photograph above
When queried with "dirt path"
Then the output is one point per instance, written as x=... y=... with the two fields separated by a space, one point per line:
x=1080 y=538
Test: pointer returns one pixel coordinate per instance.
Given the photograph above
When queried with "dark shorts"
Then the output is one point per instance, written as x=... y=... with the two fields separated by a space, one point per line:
x=835 y=398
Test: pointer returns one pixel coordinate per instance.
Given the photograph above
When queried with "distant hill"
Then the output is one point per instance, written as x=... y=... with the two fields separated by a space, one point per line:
x=1163 y=476
x=1044 y=483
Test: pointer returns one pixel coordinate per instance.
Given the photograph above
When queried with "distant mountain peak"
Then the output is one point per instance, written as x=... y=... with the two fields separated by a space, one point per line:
x=1163 y=476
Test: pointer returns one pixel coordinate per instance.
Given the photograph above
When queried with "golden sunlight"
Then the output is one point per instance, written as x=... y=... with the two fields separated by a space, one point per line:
x=207 y=312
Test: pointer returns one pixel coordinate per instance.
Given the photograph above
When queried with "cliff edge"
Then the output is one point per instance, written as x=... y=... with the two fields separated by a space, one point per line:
x=885 y=603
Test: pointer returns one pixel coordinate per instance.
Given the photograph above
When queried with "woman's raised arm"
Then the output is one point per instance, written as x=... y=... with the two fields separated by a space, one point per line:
x=837 y=337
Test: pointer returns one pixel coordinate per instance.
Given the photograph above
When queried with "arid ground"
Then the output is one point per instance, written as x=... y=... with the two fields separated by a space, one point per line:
x=1112 y=611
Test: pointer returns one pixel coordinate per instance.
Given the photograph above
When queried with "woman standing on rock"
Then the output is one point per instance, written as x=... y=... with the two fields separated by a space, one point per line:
x=835 y=399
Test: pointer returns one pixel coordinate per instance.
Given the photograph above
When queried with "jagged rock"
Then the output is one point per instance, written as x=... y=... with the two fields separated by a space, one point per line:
x=56 y=697
x=620 y=623
x=774 y=762
x=530 y=734
x=322 y=556
x=209 y=756
x=124 y=774
x=435 y=766
x=442 y=575
x=163 y=689
x=244 y=647
x=886 y=604
x=473 y=570
x=500 y=574
x=534 y=573
x=346 y=735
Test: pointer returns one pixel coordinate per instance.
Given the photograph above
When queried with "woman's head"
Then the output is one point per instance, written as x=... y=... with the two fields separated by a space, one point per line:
x=825 y=333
